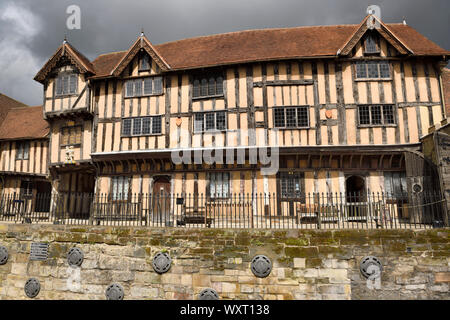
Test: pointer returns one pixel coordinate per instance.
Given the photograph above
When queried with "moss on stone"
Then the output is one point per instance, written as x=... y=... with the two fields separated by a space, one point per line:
x=301 y=252
x=296 y=241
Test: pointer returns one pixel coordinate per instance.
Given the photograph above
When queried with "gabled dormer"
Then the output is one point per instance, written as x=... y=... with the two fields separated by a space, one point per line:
x=141 y=68
x=64 y=76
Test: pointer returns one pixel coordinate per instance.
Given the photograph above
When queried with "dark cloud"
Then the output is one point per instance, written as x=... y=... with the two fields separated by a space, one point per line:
x=33 y=29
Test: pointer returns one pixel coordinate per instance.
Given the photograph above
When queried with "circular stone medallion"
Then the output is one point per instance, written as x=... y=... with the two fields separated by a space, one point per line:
x=161 y=262
x=208 y=294
x=368 y=261
x=3 y=255
x=114 y=292
x=32 y=287
x=261 y=266
x=75 y=257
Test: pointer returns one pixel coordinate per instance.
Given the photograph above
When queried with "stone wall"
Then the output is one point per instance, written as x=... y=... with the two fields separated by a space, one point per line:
x=306 y=264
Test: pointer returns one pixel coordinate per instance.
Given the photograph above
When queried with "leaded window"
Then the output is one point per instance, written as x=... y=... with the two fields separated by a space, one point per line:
x=291 y=117
x=66 y=84
x=22 y=150
x=371 y=45
x=143 y=87
x=219 y=185
x=210 y=121
x=376 y=115
x=291 y=184
x=373 y=70
x=207 y=86
x=141 y=126
x=71 y=135
x=144 y=64
x=120 y=188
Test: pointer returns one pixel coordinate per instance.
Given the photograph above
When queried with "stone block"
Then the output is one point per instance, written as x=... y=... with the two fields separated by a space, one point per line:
x=299 y=262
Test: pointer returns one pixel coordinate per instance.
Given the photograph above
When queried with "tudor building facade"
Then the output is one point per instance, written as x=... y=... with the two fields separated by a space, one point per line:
x=346 y=105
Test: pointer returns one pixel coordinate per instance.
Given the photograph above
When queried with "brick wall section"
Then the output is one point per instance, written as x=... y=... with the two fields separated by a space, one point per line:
x=307 y=264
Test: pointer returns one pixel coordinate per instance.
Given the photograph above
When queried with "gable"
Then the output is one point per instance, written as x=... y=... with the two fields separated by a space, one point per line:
x=65 y=54
x=142 y=43
x=381 y=29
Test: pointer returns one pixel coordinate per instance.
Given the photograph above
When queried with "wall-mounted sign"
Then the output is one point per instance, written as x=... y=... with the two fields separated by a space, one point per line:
x=39 y=251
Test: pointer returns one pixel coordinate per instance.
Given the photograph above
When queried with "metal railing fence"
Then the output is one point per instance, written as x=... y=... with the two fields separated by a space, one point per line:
x=255 y=211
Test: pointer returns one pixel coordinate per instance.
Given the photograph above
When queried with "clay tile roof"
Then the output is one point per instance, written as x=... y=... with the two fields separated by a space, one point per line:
x=24 y=123
x=104 y=63
x=7 y=103
x=446 y=89
x=417 y=42
x=264 y=45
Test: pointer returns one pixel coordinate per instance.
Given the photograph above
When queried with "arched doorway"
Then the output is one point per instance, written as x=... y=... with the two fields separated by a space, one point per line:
x=356 y=197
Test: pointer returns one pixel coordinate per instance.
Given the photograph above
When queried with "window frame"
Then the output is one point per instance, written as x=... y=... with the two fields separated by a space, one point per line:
x=26 y=192
x=201 y=78
x=292 y=175
x=115 y=196
x=224 y=196
x=142 y=80
x=149 y=64
x=285 y=127
x=366 y=63
x=132 y=119
x=382 y=114
x=376 y=39
x=205 y=113
x=60 y=79
x=21 y=146
x=61 y=132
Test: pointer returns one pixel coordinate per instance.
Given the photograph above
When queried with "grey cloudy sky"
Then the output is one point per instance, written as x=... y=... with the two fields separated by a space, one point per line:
x=31 y=30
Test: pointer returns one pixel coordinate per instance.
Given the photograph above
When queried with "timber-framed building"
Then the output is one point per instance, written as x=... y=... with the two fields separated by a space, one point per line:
x=347 y=106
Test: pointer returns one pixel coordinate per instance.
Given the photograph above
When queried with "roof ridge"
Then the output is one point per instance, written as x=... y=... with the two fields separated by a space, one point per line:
x=253 y=30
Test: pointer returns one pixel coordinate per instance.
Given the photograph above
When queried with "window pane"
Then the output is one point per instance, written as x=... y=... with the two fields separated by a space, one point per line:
x=138 y=87
x=302 y=117
x=388 y=115
x=157 y=85
x=148 y=85
x=219 y=85
x=361 y=71
x=220 y=121
x=212 y=87
x=371 y=45
x=212 y=185
x=373 y=69
x=204 y=88
x=219 y=185
x=364 y=116
x=125 y=188
x=137 y=126
x=226 y=184
x=196 y=89
x=126 y=127
x=384 y=70
x=156 y=125
x=198 y=122
x=78 y=134
x=291 y=120
x=279 y=118
x=59 y=86
x=73 y=83
x=146 y=125
x=65 y=80
x=144 y=63
x=210 y=121
x=19 y=148
x=129 y=88
x=376 y=115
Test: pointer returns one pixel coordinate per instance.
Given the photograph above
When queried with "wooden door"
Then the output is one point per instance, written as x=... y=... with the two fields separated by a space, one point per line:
x=161 y=200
